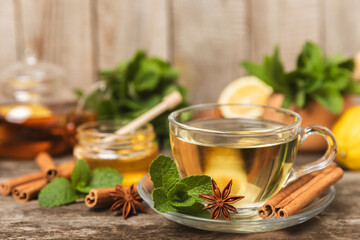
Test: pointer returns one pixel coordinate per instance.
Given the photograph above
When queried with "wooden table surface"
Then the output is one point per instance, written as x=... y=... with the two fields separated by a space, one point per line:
x=341 y=220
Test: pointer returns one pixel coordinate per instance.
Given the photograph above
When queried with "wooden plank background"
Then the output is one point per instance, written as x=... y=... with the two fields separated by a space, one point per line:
x=205 y=39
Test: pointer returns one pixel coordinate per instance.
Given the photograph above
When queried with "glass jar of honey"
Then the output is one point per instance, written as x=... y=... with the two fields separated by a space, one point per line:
x=129 y=154
x=37 y=112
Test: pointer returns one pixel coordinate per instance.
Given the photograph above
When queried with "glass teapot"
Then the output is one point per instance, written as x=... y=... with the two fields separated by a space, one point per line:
x=36 y=110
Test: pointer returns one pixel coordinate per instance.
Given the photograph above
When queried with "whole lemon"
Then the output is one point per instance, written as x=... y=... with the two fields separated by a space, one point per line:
x=347 y=133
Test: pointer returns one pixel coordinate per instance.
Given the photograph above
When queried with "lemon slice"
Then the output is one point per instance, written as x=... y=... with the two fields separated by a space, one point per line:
x=21 y=112
x=245 y=90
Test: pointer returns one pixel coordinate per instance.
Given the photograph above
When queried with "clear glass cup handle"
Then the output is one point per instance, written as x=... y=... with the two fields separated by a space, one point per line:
x=322 y=162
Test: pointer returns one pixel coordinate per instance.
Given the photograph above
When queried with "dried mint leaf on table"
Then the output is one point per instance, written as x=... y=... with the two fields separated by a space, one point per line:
x=135 y=86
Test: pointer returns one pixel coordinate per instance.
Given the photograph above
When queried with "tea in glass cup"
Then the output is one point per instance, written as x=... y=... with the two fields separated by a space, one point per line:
x=256 y=148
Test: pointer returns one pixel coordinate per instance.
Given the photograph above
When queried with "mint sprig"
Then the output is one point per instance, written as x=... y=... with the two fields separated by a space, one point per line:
x=171 y=194
x=61 y=191
x=315 y=78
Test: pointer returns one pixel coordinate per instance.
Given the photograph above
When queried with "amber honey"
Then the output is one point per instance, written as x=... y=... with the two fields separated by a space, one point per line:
x=130 y=154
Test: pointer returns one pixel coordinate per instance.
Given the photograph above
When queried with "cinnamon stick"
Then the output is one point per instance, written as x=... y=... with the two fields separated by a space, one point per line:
x=100 y=198
x=309 y=192
x=7 y=186
x=268 y=209
x=28 y=191
x=47 y=166
x=65 y=169
x=302 y=189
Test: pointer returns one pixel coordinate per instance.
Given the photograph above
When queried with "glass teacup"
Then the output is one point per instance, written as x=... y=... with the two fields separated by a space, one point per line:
x=253 y=145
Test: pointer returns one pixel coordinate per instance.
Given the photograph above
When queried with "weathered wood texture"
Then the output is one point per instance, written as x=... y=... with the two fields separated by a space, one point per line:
x=210 y=38
x=29 y=221
x=287 y=24
x=60 y=31
x=205 y=39
x=8 y=32
x=126 y=25
x=341 y=20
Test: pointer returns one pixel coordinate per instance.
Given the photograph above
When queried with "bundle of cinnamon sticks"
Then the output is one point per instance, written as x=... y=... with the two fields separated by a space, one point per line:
x=299 y=193
x=27 y=187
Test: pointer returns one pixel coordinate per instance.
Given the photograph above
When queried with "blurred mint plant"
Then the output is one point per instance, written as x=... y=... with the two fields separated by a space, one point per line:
x=134 y=87
x=315 y=78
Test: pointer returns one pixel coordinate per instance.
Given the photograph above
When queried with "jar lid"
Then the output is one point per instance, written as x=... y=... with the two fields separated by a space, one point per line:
x=30 y=75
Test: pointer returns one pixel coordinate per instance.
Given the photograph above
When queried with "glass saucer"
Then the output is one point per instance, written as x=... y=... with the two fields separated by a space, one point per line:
x=238 y=225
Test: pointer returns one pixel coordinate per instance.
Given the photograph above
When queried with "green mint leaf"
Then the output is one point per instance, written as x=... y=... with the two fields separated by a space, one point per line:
x=300 y=99
x=353 y=88
x=80 y=195
x=337 y=78
x=169 y=74
x=288 y=100
x=330 y=99
x=163 y=172
x=197 y=184
x=148 y=76
x=348 y=64
x=311 y=56
x=258 y=71
x=161 y=202
x=314 y=83
x=102 y=178
x=195 y=210
x=271 y=71
x=275 y=70
x=57 y=193
x=134 y=64
x=81 y=175
x=179 y=197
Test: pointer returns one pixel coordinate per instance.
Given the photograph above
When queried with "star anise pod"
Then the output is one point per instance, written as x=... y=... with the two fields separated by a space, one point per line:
x=128 y=199
x=221 y=201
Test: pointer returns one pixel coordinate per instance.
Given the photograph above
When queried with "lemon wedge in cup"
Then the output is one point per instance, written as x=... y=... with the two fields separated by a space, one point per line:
x=223 y=165
x=244 y=90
